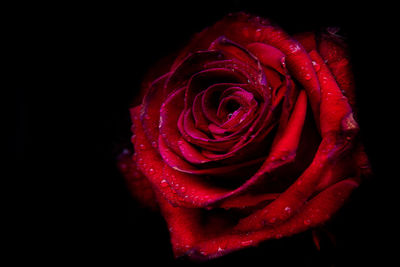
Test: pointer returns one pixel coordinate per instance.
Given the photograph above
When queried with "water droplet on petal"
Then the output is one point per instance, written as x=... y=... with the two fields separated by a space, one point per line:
x=317 y=67
x=154 y=144
x=283 y=63
x=307 y=221
x=247 y=242
x=164 y=183
x=204 y=253
x=142 y=146
x=308 y=76
x=160 y=122
x=258 y=34
x=288 y=210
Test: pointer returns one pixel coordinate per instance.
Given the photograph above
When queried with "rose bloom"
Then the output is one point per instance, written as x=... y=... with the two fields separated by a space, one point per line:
x=248 y=134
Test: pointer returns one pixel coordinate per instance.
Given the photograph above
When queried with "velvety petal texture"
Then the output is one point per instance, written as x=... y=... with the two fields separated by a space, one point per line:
x=248 y=135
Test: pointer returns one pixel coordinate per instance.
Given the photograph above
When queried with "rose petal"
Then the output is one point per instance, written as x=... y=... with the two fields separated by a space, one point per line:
x=334 y=106
x=297 y=61
x=318 y=210
x=335 y=54
x=150 y=163
x=150 y=108
x=139 y=186
x=268 y=55
x=307 y=40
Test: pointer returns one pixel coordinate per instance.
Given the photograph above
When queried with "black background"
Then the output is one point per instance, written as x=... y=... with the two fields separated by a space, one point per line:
x=77 y=68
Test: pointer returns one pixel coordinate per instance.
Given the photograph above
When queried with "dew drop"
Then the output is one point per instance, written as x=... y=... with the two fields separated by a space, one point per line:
x=154 y=144
x=160 y=122
x=183 y=189
x=142 y=146
x=308 y=77
x=204 y=253
x=317 y=67
x=288 y=210
x=294 y=48
x=307 y=221
x=151 y=170
x=164 y=183
x=258 y=34
x=247 y=242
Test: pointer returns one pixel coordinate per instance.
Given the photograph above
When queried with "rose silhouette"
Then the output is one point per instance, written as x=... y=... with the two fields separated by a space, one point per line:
x=249 y=134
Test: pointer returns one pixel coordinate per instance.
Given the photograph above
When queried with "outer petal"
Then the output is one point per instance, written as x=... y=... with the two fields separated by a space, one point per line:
x=137 y=183
x=150 y=163
x=196 y=241
x=334 y=52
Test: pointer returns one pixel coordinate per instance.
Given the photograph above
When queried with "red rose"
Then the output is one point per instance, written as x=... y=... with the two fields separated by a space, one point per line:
x=248 y=135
